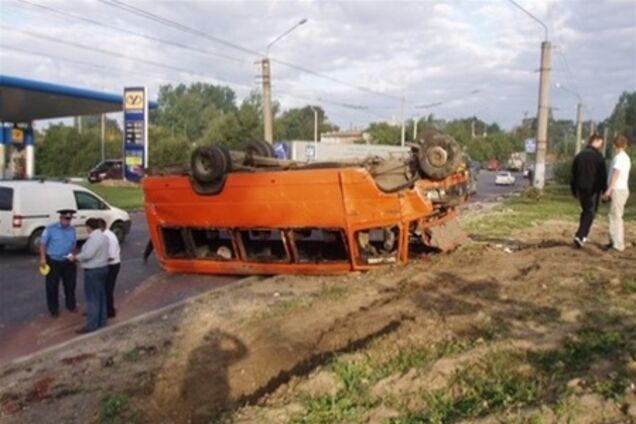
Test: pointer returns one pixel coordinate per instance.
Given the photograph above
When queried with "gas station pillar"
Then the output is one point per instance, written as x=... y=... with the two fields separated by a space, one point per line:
x=29 y=152
x=5 y=138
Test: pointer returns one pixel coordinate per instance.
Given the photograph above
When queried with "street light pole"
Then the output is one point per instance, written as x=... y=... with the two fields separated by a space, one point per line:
x=579 y=127
x=403 y=135
x=579 y=122
x=415 y=121
x=315 y=132
x=544 y=103
x=268 y=119
x=542 y=127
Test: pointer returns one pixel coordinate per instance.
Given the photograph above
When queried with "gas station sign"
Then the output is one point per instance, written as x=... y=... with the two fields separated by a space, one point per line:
x=135 y=132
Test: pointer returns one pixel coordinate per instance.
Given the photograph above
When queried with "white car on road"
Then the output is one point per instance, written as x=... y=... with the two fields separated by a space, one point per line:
x=504 y=178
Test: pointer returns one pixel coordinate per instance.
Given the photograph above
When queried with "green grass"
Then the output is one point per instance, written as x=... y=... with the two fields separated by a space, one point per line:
x=360 y=374
x=132 y=355
x=533 y=208
x=128 y=198
x=112 y=407
x=508 y=381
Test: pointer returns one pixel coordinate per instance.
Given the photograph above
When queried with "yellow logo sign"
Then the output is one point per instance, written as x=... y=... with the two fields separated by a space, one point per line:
x=134 y=100
x=17 y=135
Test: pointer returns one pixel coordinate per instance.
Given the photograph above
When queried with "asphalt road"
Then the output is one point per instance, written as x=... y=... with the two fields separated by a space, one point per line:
x=140 y=288
x=487 y=190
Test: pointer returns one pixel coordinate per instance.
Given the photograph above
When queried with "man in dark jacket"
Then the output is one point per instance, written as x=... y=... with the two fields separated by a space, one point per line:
x=588 y=181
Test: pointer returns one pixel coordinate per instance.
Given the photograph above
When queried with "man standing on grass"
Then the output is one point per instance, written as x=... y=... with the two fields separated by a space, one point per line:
x=618 y=192
x=587 y=182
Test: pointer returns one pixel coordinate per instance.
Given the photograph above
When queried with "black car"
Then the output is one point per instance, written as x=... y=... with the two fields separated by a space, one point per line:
x=108 y=169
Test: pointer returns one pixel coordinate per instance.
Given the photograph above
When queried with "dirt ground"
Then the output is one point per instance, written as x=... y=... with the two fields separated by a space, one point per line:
x=518 y=329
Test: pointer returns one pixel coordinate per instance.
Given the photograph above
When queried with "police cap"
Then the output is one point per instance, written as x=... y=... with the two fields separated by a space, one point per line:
x=67 y=213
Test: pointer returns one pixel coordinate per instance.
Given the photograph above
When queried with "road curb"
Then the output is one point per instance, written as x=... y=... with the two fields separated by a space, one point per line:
x=112 y=328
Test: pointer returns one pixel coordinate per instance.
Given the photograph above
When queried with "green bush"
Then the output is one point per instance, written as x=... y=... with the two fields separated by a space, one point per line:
x=562 y=171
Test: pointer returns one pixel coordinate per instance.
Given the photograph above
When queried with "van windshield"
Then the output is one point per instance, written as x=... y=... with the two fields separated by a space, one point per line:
x=6 y=199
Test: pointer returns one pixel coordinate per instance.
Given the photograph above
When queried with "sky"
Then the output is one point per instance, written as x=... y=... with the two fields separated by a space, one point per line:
x=355 y=59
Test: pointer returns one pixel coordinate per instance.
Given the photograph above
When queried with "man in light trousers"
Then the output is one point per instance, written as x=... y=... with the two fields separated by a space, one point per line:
x=618 y=192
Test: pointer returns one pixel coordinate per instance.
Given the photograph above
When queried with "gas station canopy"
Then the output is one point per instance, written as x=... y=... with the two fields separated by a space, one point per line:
x=23 y=101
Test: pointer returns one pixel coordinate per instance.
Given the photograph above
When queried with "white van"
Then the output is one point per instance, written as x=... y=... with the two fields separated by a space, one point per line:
x=26 y=207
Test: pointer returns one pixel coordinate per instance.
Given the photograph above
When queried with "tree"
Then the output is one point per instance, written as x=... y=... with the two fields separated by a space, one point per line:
x=384 y=133
x=189 y=111
x=298 y=124
x=623 y=118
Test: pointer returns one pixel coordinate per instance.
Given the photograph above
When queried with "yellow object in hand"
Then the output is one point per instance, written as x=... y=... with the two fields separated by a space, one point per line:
x=45 y=269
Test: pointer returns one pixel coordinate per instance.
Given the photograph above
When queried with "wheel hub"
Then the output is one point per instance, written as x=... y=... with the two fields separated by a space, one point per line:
x=437 y=156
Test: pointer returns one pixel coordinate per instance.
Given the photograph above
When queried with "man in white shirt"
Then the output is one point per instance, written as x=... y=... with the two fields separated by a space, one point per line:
x=114 y=261
x=94 y=259
x=618 y=192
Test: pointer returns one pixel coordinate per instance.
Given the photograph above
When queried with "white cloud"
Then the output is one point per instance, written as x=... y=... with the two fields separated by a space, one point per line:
x=428 y=51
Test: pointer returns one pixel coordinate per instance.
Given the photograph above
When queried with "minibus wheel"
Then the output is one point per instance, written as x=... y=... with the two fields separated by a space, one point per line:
x=208 y=163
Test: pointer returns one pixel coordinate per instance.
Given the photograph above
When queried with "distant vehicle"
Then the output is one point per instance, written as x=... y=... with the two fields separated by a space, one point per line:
x=473 y=169
x=110 y=169
x=504 y=178
x=28 y=206
x=516 y=161
x=492 y=165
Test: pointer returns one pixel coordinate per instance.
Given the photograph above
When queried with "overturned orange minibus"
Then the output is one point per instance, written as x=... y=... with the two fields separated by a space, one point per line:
x=245 y=212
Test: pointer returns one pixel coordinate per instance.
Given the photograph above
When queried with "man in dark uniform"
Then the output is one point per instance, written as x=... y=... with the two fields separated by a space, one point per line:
x=56 y=244
x=587 y=182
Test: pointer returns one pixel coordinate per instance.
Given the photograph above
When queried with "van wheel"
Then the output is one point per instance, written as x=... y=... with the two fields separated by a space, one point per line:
x=118 y=229
x=439 y=156
x=208 y=163
x=33 y=245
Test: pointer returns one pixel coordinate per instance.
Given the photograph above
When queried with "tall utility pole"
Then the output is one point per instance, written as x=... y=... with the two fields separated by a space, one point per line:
x=579 y=128
x=103 y=137
x=315 y=123
x=579 y=122
x=544 y=103
x=542 y=127
x=403 y=136
x=268 y=119
x=415 y=120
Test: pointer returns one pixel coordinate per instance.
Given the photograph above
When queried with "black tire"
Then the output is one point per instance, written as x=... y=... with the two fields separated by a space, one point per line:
x=119 y=230
x=228 y=158
x=33 y=245
x=208 y=163
x=259 y=148
x=439 y=156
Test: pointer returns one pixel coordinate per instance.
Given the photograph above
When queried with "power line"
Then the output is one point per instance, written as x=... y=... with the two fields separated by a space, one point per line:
x=24 y=51
x=532 y=16
x=173 y=24
x=123 y=56
x=67 y=15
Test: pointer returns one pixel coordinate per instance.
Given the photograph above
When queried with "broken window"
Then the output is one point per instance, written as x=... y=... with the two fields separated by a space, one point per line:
x=264 y=245
x=212 y=243
x=378 y=245
x=174 y=242
x=320 y=245
x=208 y=243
